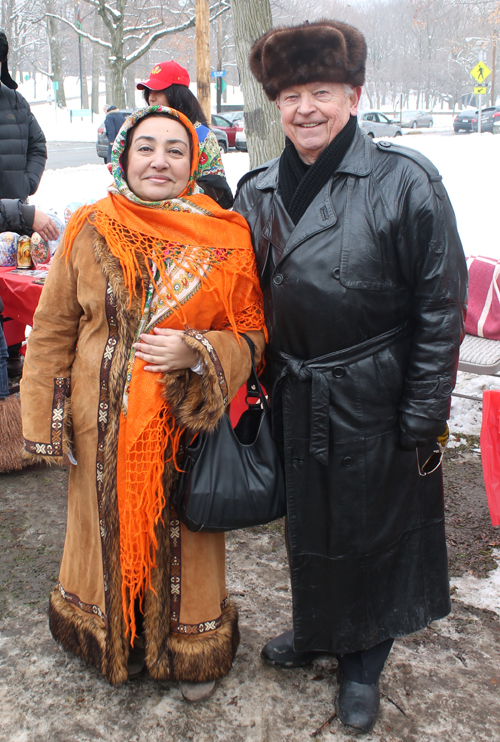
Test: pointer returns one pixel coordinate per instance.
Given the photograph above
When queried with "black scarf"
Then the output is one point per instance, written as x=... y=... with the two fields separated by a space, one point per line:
x=300 y=183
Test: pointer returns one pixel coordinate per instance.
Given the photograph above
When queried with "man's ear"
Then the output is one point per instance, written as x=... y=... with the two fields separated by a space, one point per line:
x=355 y=96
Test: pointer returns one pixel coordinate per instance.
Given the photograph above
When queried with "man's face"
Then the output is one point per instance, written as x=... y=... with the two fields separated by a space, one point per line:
x=312 y=115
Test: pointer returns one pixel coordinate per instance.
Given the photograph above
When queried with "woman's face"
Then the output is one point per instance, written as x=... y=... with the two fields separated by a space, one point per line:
x=157 y=98
x=159 y=159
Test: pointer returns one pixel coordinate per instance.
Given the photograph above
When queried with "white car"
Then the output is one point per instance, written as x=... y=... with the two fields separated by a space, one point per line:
x=377 y=124
x=240 y=141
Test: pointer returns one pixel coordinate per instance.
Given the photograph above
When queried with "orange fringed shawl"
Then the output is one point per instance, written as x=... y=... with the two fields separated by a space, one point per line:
x=201 y=245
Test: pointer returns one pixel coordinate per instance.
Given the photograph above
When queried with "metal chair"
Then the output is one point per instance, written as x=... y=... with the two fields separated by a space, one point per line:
x=478 y=356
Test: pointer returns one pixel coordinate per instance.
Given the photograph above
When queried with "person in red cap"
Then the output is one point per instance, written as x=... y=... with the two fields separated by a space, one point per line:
x=168 y=85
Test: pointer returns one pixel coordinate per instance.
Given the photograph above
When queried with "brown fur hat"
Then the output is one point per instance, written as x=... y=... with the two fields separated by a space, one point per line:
x=326 y=51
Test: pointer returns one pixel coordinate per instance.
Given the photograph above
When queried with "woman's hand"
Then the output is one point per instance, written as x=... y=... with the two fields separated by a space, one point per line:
x=165 y=349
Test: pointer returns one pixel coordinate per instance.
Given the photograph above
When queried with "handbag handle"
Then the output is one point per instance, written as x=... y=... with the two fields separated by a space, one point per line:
x=254 y=388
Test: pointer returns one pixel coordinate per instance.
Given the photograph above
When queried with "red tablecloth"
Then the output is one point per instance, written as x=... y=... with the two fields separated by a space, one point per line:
x=19 y=295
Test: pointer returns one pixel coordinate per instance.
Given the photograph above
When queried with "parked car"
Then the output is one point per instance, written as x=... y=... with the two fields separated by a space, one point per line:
x=225 y=125
x=240 y=141
x=488 y=117
x=221 y=138
x=101 y=145
x=416 y=120
x=463 y=121
x=377 y=124
x=234 y=116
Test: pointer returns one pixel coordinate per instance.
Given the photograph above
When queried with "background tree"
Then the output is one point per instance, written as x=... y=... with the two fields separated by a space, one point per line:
x=265 y=140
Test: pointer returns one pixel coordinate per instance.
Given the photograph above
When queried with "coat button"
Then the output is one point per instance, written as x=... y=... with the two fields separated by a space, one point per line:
x=338 y=372
x=336 y=273
x=447 y=388
x=347 y=461
x=278 y=279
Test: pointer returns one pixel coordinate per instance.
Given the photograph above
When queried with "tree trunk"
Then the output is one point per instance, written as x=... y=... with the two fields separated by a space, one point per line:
x=83 y=81
x=265 y=139
x=96 y=65
x=203 y=56
x=130 y=87
x=55 y=54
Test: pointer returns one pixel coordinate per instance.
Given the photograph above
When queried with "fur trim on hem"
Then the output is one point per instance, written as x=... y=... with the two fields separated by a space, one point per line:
x=198 y=659
x=82 y=636
x=11 y=434
x=196 y=400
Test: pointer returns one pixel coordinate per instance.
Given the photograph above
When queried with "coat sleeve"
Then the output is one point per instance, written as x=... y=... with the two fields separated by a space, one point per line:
x=46 y=382
x=37 y=153
x=199 y=401
x=433 y=263
x=16 y=216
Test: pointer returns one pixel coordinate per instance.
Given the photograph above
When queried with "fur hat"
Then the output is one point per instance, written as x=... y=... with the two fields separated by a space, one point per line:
x=326 y=51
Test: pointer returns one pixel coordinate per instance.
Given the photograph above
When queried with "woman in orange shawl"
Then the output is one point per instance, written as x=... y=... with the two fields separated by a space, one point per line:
x=137 y=330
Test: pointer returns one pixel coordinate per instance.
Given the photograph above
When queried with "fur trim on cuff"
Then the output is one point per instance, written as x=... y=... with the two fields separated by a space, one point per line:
x=11 y=434
x=326 y=51
x=28 y=455
x=197 y=401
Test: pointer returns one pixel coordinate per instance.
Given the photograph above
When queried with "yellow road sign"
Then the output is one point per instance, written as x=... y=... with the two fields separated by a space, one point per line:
x=480 y=72
x=480 y=90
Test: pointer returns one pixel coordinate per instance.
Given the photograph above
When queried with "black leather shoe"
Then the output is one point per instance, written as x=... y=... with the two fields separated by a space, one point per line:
x=280 y=652
x=357 y=704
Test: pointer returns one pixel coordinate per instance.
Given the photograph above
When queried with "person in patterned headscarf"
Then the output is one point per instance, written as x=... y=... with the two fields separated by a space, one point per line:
x=157 y=281
x=168 y=85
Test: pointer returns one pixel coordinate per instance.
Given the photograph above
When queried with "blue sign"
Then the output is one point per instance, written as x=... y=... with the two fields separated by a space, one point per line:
x=218 y=73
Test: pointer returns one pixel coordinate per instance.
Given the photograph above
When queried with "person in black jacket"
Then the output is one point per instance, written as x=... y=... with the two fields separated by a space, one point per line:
x=23 y=151
x=15 y=216
x=365 y=289
x=113 y=123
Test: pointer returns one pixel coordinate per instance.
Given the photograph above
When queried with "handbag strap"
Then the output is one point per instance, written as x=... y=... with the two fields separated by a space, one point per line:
x=254 y=388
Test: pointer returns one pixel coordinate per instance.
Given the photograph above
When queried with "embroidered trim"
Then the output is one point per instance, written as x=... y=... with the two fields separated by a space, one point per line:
x=102 y=422
x=86 y=607
x=175 y=587
x=62 y=387
x=221 y=377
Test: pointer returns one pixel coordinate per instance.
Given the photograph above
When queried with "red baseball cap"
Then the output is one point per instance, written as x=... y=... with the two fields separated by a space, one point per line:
x=164 y=75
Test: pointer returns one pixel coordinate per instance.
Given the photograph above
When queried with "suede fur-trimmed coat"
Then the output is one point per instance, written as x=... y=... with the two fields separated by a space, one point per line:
x=71 y=397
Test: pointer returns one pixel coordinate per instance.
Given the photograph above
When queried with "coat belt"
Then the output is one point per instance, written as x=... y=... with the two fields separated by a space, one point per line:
x=316 y=369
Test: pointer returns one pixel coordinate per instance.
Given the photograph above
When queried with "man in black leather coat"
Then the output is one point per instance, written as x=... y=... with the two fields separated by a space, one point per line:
x=364 y=282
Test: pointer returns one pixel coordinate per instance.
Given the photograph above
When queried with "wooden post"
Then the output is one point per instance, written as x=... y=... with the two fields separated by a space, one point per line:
x=203 y=56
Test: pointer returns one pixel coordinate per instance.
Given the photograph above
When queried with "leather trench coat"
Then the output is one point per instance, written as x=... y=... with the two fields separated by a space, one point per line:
x=365 y=305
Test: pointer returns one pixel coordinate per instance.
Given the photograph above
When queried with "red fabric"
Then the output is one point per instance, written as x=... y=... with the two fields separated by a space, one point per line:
x=483 y=315
x=490 y=452
x=19 y=295
x=15 y=332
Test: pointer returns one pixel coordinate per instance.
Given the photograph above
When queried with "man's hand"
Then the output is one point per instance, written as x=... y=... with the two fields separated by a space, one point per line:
x=44 y=225
x=415 y=431
x=165 y=349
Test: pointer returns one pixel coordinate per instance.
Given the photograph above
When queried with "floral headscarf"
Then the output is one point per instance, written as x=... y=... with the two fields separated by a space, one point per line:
x=120 y=185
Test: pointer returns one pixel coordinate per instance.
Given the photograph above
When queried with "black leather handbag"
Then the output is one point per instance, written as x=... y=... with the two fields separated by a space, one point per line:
x=233 y=478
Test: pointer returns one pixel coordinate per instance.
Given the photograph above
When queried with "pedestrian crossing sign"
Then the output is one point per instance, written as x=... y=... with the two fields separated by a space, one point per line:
x=480 y=72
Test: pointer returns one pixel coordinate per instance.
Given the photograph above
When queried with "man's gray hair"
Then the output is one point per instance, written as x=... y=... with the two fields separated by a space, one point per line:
x=348 y=89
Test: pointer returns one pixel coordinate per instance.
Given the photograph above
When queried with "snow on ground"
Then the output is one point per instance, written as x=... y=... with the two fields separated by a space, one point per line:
x=480 y=592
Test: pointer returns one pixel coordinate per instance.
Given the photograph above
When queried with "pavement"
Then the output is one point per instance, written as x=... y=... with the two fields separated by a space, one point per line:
x=71 y=154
